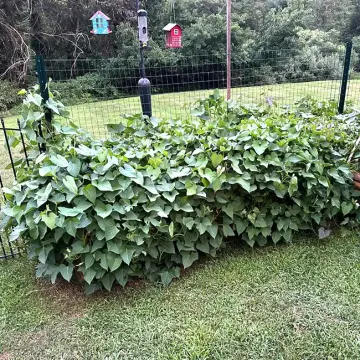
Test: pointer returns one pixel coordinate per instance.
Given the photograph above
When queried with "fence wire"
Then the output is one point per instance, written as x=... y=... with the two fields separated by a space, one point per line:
x=100 y=91
x=353 y=86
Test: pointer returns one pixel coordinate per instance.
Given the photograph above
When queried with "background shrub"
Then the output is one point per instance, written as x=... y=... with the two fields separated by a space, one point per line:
x=8 y=95
x=159 y=194
x=89 y=87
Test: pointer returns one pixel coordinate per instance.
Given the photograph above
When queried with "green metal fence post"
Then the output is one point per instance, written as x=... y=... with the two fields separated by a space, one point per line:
x=44 y=91
x=345 y=77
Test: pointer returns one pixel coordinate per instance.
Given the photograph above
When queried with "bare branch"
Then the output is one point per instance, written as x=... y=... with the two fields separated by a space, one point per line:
x=21 y=51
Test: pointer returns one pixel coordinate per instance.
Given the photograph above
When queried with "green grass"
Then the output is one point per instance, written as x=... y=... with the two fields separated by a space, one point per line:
x=298 y=301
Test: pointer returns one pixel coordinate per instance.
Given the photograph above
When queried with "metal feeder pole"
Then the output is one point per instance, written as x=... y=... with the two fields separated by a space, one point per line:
x=144 y=83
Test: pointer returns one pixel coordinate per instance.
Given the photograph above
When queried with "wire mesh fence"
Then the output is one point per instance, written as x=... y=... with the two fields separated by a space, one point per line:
x=353 y=85
x=100 y=91
x=353 y=91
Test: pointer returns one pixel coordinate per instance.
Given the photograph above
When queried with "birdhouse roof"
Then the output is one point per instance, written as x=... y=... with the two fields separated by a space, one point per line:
x=100 y=13
x=170 y=26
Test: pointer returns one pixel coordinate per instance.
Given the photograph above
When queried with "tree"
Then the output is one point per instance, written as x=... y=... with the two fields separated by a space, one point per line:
x=61 y=29
x=14 y=41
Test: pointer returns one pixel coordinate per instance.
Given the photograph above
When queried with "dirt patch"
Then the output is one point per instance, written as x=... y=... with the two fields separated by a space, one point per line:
x=5 y=356
x=36 y=344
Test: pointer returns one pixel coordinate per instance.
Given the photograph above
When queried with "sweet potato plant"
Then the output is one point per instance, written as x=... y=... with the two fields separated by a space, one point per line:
x=157 y=194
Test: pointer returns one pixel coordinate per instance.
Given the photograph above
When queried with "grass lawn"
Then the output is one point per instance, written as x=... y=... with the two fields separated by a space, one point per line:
x=298 y=301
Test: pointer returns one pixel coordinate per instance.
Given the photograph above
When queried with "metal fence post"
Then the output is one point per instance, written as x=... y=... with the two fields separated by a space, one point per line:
x=44 y=91
x=345 y=77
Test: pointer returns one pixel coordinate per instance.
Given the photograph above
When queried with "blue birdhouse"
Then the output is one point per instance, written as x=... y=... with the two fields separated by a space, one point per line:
x=100 y=24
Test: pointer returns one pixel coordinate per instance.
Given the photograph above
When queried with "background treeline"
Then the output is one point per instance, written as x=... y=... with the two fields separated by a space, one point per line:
x=274 y=41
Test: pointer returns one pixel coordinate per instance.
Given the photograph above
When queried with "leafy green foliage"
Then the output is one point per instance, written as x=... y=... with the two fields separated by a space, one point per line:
x=149 y=201
x=8 y=95
x=84 y=88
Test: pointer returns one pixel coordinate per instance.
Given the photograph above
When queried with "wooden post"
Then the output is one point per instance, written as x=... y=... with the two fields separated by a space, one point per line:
x=228 y=50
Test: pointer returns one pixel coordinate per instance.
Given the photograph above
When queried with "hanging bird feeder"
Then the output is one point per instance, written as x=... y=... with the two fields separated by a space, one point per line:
x=143 y=28
x=100 y=24
x=173 y=35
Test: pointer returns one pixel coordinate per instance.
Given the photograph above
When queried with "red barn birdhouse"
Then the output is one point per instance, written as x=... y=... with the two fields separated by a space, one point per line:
x=173 y=33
